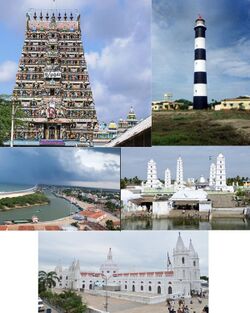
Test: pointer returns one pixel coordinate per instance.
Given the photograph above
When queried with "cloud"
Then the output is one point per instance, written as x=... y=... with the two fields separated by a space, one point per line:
x=228 y=64
x=129 y=249
x=8 y=71
x=60 y=166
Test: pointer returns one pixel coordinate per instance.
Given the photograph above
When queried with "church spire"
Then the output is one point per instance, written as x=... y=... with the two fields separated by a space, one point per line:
x=109 y=257
x=180 y=244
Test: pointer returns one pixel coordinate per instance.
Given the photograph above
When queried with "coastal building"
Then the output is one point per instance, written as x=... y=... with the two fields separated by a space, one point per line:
x=180 y=278
x=239 y=103
x=52 y=81
x=200 y=72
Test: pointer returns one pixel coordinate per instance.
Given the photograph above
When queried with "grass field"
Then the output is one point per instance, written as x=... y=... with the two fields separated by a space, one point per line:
x=201 y=128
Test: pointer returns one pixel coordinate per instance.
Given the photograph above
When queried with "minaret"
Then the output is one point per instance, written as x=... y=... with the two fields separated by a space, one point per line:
x=212 y=175
x=220 y=180
x=152 y=180
x=194 y=268
x=200 y=72
x=179 y=173
x=167 y=178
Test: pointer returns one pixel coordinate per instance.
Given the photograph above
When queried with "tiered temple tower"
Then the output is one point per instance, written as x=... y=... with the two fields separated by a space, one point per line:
x=220 y=181
x=52 y=82
x=200 y=72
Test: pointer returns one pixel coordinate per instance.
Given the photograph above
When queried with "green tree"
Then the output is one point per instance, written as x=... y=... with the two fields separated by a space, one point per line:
x=110 y=225
x=47 y=280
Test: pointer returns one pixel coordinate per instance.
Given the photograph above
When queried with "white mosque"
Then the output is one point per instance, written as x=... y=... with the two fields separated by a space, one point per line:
x=180 y=278
x=190 y=192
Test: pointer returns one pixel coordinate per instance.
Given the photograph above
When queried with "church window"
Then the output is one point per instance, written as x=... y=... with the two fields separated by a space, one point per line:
x=141 y=288
x=159 y=290
x=170 y=290
x=126 y=286
x=183 y=260
x=149 y=288
x=194 y=263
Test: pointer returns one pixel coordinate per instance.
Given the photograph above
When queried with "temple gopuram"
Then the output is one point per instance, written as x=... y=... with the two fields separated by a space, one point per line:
x=52 y=82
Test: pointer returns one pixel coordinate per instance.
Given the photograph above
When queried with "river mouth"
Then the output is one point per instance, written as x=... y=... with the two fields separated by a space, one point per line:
x=136 y=223
x=56 y=209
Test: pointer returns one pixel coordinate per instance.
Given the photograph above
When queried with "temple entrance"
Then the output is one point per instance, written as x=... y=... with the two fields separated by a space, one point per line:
x=52 y=132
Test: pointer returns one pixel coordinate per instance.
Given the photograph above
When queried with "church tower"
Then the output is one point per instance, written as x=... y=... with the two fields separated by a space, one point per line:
x=220 y=181
x=181 y=268
x=109 y=268
x=194 y=268
x=200 y=72
x=52 y=81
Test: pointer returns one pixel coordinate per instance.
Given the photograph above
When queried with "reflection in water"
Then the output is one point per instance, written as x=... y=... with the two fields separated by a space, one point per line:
x=180 y=224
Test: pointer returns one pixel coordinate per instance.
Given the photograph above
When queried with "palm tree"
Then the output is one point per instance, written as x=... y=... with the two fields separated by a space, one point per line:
x=47 y=280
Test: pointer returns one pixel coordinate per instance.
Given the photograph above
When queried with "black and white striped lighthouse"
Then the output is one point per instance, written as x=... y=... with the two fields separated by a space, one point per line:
x=200 y=73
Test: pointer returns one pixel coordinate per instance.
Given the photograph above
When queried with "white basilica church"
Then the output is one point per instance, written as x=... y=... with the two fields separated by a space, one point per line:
x=181 y=278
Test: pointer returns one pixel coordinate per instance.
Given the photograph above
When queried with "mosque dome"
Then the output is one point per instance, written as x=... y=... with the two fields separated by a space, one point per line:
x=112 y=125
x=202 y=180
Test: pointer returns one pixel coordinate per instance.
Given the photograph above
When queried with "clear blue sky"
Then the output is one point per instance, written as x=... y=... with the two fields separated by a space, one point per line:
x=228 y=47
x=116 y=38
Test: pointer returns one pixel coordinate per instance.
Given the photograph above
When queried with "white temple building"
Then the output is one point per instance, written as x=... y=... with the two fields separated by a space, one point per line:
x=180 y=278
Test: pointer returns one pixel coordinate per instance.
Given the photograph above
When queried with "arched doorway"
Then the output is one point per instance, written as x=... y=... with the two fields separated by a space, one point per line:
x=170 y=291
x=133 y=288
x=159 y=290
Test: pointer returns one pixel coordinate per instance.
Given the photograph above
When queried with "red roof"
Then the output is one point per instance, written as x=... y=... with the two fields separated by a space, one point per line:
x=52 y=227
x=26 y=227
x=3 y=227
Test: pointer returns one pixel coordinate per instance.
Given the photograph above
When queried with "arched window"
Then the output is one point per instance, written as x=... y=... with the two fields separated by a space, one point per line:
x=149 y=288
x=194 y=263
x=90 y=286
x=183 y=260
x=170 y=291
x=133 y=288
x=159 y=290
x=141 y=288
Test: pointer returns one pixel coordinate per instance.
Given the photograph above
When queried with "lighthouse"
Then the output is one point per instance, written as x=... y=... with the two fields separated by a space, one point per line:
x=200 y=72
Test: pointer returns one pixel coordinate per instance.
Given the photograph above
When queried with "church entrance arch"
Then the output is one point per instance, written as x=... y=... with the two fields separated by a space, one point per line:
x=170 y=291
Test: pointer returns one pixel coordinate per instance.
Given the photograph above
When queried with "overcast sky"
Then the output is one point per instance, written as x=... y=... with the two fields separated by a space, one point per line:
x=132 y=251
x=66 y=166
x=116 y=38
x=228 y=47
x=195 y=159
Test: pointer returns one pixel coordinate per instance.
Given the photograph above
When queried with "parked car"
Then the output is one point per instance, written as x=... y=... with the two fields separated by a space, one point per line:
x=41 y=307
